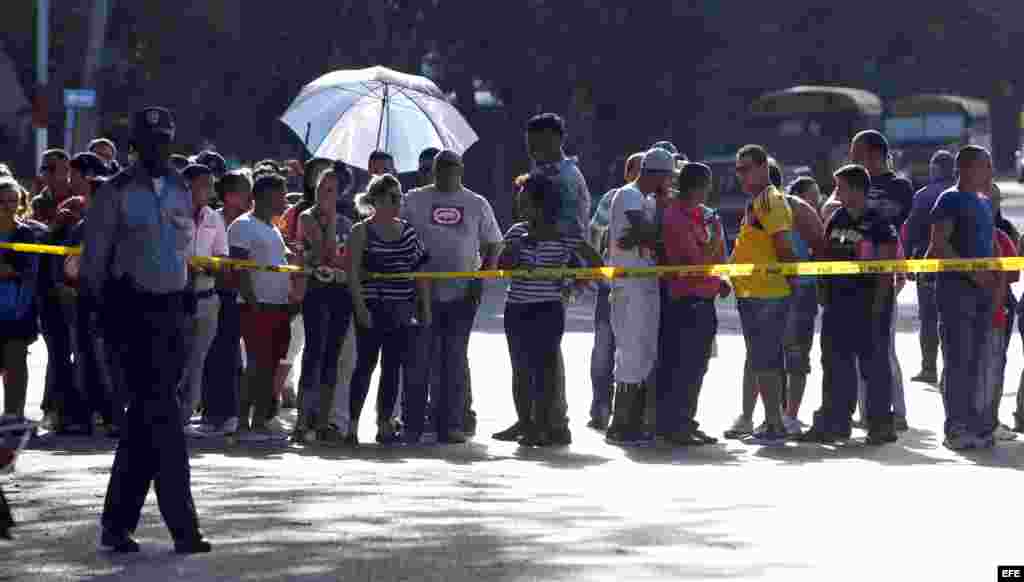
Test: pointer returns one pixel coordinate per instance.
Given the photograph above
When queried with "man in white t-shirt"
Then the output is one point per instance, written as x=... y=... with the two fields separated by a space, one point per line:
x=265 y=306
x=635 y=301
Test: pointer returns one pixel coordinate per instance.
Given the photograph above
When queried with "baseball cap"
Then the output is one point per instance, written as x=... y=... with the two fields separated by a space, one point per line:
x=427 y=158
x=154 y=121
x=211 y=159
x=667 y=146
x=193 y=171
x=658 y=162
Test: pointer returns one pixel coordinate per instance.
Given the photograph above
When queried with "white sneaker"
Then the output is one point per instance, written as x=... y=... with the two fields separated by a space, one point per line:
x=276 y=430
x=50 y=421
x=253 y=436
x=793 y=426
x=1003 y=433
x=278 y=425
x=196 y=432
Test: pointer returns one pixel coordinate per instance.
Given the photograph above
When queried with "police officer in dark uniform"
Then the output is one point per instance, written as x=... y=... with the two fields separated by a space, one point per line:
x=134 y=267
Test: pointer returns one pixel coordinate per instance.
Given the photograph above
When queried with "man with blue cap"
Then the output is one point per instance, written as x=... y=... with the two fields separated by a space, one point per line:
x=134 y=261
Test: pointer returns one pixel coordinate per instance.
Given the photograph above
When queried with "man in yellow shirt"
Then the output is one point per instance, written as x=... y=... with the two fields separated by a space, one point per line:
x=762 y=299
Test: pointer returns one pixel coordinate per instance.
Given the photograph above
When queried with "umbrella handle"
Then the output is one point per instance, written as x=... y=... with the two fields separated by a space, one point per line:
x=383 y=112
x=309 y=126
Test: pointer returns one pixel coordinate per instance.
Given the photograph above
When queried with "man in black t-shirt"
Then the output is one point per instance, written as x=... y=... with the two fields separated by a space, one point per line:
x=857 y=317
x=892 y=197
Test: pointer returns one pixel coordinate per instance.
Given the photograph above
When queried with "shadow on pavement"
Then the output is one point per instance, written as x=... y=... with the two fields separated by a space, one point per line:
x=331 y=527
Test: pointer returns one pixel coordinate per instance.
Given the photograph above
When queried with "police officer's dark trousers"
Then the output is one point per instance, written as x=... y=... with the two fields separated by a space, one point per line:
x=152 y=447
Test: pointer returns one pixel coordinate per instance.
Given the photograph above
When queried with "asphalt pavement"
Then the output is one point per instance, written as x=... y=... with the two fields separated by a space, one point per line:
x=488 y=510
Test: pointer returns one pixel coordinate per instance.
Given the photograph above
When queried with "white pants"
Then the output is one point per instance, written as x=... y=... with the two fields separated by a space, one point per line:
x=199 y=333
x=294 y=349
x=636 y=313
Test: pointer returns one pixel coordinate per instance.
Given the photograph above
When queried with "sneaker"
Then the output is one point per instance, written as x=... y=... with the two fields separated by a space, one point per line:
x=1003 y=433
x=599 y=423
x=350 y=440
x=410 y=438
x=960 y=442
x=253 y=436
x=741 y=427
x=272 y=434
x=818 y=435
x=388 y=437
x=926 y=377
x=510 y=434
x=454 y=437
x=859 y=423
x=628 y=438
x=767 y=435
x=792 y=425
x=881 y=436
x=332 y=435
x=229 y=426
x=278 y=425
x=51 y=420
x=708 y=440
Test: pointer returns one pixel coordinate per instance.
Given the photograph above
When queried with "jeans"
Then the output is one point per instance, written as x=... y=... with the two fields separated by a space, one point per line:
x=899 y=402
x=991 y=393
x=686 y=334
x=387 y=341
x=200 y=329
x=799 y=334
x=60 y=374
x=928 y=313
x=326 y=313
x=763 y=322
x=92 y=369
x=534 y=333
x=965 y=328
x=602 y=357
x=855 y=343
x=222 y=370
x=152 y=448
x=449 y=339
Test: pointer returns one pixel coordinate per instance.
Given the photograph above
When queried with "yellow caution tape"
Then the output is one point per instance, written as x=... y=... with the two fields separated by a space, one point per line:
x=820 y=268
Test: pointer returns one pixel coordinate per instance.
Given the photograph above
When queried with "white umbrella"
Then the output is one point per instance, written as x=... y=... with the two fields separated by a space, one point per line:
x=345 y=115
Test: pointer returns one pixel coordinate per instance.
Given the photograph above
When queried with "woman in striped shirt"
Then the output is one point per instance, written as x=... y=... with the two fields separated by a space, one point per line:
x=384 y=308
x=534 y=310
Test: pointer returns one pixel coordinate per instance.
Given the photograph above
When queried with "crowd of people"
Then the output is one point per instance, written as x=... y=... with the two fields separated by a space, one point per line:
x=242 y=330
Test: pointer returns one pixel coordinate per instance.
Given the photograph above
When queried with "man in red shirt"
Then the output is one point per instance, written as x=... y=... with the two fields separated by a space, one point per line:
x=693 y=235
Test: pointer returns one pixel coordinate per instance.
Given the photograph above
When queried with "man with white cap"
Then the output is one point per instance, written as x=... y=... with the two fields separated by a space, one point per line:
x=635 y=301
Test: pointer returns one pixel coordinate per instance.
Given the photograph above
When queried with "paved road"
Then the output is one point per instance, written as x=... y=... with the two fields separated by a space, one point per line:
x=492 y=511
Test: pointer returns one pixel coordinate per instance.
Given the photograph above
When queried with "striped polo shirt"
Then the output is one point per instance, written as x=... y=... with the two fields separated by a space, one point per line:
x=562 y=252
x=406 y=254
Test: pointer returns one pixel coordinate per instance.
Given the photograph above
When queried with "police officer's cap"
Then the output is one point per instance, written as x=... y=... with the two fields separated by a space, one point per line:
x=153 y=122
x=212 y=160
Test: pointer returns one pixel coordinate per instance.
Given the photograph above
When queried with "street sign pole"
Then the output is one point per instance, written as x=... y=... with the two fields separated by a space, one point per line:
x=42 y=70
